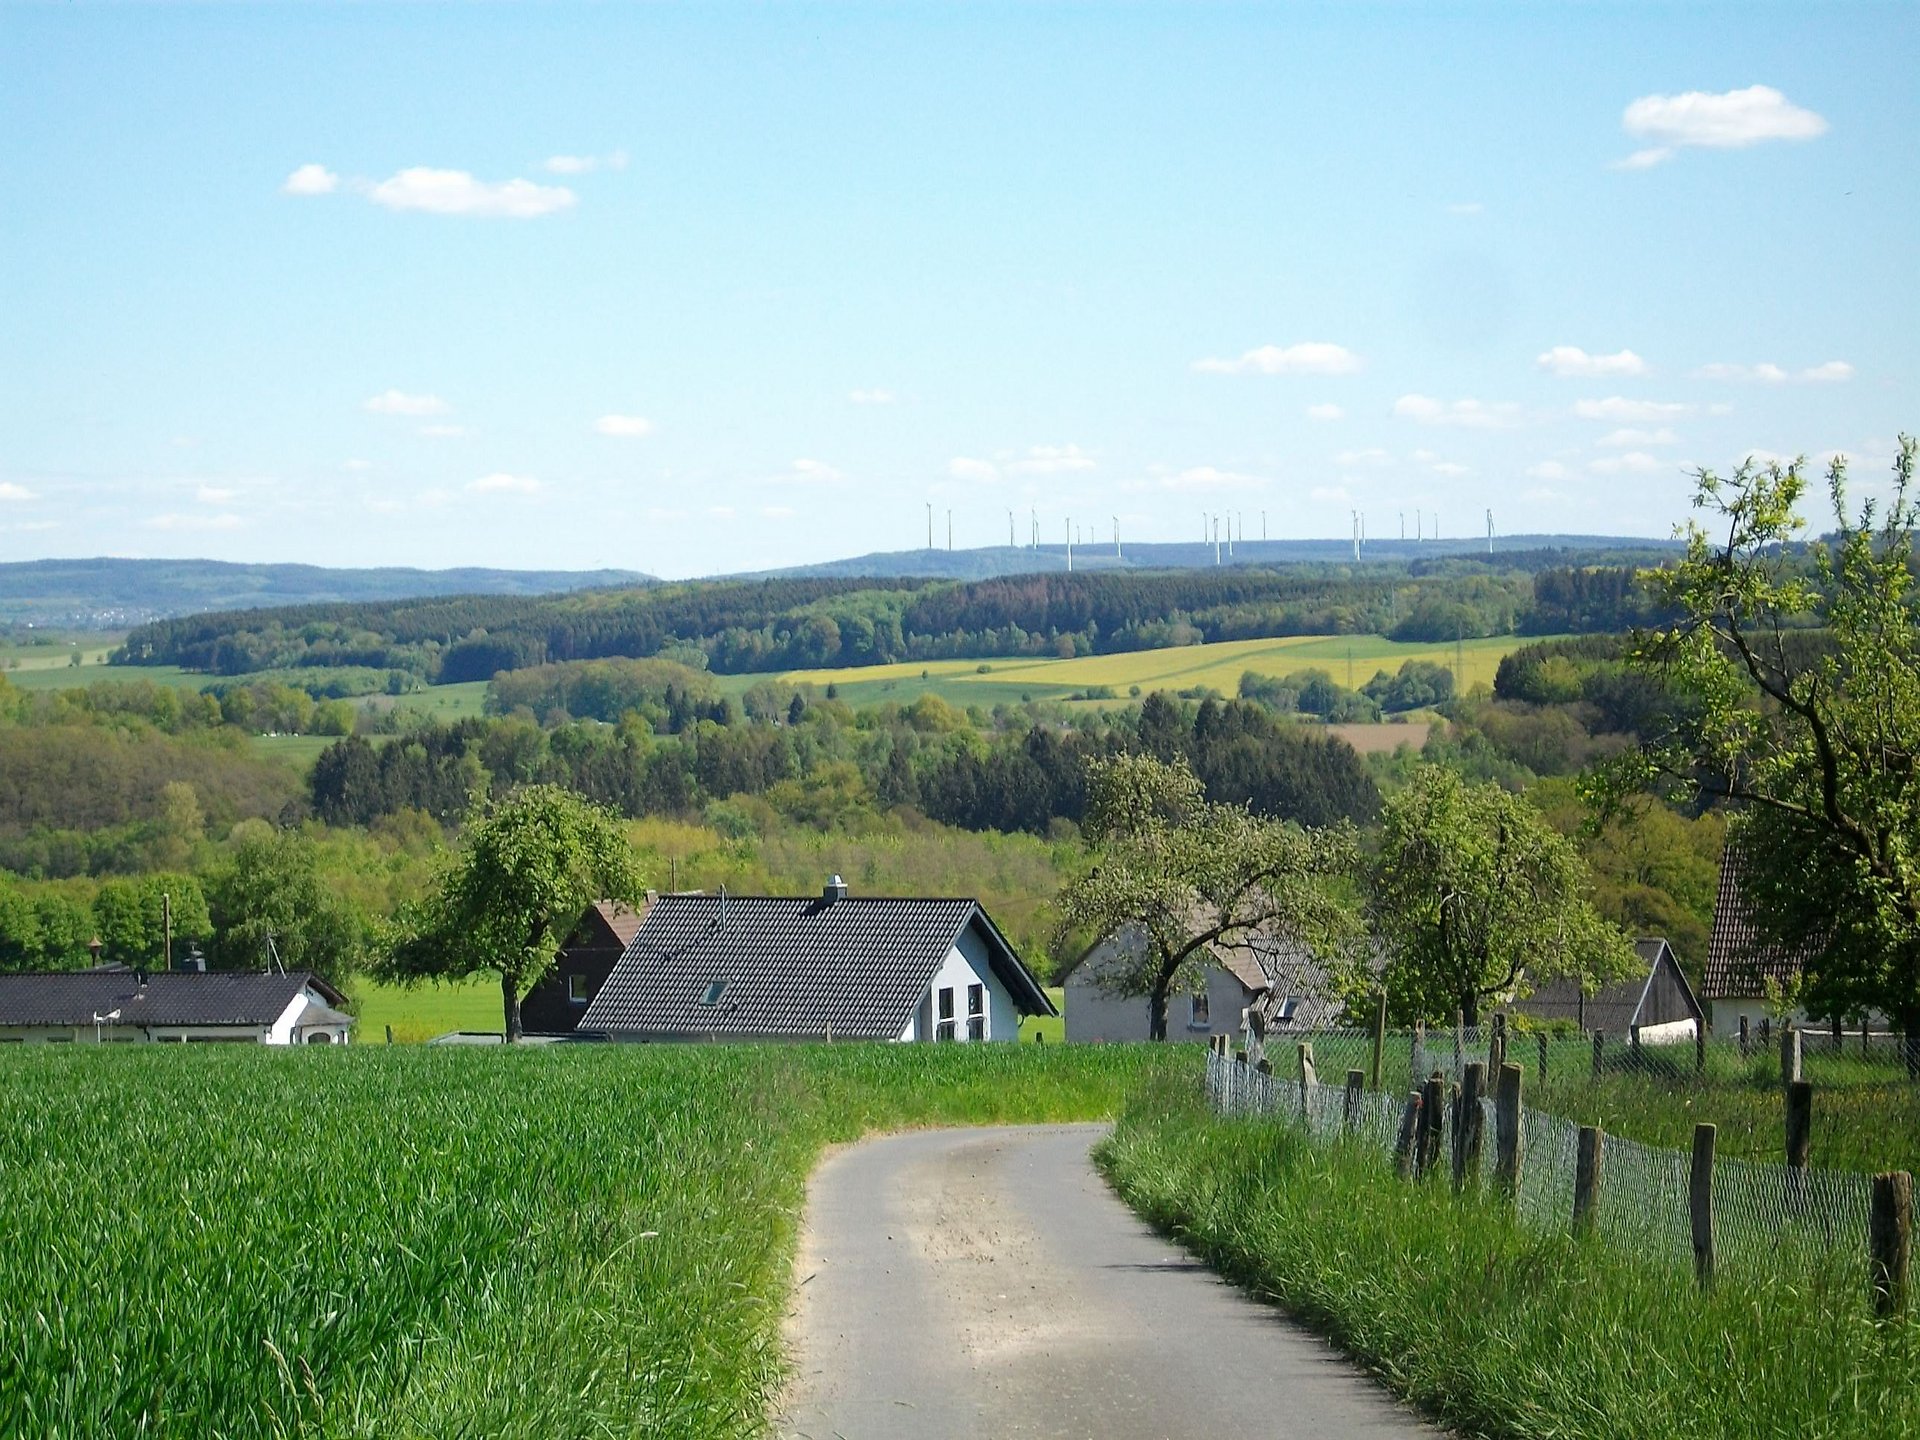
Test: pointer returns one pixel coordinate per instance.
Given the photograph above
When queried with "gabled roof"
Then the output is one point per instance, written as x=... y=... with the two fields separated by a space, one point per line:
x=620 y=919
x=1739 y=962
x=169 y=997
x=1614 y=1008
x=806 y=965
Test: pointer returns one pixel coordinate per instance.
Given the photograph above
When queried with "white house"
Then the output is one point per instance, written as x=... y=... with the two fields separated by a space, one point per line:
x=832 y=966
x=1280 y=981
x=115 y=1005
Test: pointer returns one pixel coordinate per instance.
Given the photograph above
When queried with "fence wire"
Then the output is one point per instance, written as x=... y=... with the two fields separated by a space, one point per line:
x=1766 y=1217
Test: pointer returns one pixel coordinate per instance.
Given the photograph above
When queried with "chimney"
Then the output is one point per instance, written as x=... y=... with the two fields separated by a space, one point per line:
x=834 y=889
x=192 y=960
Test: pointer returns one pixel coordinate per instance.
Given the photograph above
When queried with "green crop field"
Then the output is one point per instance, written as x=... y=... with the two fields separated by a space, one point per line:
x=420 y=1012
x=68 y=677
x=552 y=1242
x=1349 y=659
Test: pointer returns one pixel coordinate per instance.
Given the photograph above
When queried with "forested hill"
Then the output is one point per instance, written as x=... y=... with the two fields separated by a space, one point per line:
x=740 y=626
x=111 y=594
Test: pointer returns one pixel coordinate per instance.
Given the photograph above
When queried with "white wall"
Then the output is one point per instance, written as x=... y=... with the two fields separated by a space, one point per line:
x=1096 y=1015
x=967 y=963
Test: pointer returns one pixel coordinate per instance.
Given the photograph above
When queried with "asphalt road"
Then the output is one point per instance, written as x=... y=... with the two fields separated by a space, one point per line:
x=987 y=1283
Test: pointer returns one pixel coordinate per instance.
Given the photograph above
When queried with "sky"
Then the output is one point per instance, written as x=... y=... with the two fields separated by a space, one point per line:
x=700 y=289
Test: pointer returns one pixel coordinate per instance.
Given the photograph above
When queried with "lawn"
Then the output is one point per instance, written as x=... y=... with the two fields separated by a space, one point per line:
x=1350 y=659
x=420 y=1012
x=552 y=1242
x=1502 y=1330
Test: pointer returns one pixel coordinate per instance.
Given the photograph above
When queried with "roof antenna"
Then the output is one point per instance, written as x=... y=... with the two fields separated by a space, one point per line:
x=278 y=966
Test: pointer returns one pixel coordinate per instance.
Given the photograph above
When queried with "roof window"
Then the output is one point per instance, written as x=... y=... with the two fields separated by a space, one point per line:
x=715 y=989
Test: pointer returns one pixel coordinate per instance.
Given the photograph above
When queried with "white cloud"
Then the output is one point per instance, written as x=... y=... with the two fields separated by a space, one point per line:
x=1052 y=460
x=1309 y=357
x=1466 y=207
x=443 y=432
x=870 y=397
x=1629 y=438
x=215 y=494
x=11 y=491
x=624 y=427
x=979 y=472
x=1632 y=462
x=584 y=164
x=664 y=515
x=1452 y=469
x=1623 y=411
x=1572 y=361
x=1728 y=121
x=1764 y=373
x=1325 y=412
x=398 y=402
x=721 y=512
x=1470 y=414
x=1362 y=457
x=1202 y=479
x=1548 y=470
x=194 y=522
x=813 y=472
x=455 y=192
x=501 y=483
x=1831 y=371
x=777 y=512
x=310 y=180
x=356 y=465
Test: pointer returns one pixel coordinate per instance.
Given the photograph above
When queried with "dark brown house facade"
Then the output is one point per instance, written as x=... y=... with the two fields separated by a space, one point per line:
x=555 y=1005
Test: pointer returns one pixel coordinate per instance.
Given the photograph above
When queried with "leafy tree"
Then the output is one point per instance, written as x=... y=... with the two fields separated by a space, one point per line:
x=527 y=869
x=1189 y=878
x=129 y=916
x=1476 y=896
x=272 y=890
x=1812 y=734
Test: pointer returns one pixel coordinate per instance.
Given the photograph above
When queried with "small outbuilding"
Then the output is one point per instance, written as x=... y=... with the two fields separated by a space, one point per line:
x=556 y=1004
x=825 y=967
x=116 y=1004
x=1656 y=999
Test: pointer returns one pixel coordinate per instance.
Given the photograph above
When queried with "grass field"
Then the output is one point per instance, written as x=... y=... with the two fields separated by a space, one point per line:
x=63 y=676
x=1503 y=1331
x=550 y=1242
x=1350 y=660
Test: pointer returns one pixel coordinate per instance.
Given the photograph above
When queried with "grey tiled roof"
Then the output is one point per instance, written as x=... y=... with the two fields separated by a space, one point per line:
x=169 y=997
x=1739 y=962
x=792 y=966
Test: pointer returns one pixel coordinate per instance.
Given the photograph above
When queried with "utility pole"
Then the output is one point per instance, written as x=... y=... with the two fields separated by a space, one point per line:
x=166 y=929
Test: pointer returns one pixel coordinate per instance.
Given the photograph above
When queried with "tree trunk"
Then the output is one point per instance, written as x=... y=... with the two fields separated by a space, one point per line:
x=1470 y=1009
x=510 y=1002
x=1157 y=1011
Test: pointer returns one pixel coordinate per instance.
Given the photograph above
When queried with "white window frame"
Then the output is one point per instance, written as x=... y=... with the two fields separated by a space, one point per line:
x=976 y=1019
x=945 y=1027
x=577 y=989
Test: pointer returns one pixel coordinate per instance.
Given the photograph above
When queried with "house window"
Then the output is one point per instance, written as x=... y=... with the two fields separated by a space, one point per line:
x=715 y=989
x=1197 y=1018
x=577 y=989
x=944 y=1030
x=976 y=1012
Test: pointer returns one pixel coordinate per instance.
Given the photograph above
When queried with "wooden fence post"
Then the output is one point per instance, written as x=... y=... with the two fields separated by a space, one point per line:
x=1599 y=1052
x=1497 y=1045
x=1379 y=1038
x=1506 y=1130
x=1890 y=1242
x=1743 y=1037
x=1309 y=1078
x=1766 y=1031
x=1541 y=1040
x=1789 y=1053
x=1799 y=1123
x=1700 y=1202
x=1700 y=1046
x=1433 y=1118
x=1263 y=1065
x=1470 y=1127
x=1586 y=1180
x=1405 y=1144
x=1839 y=1037
x=1417 y=1049
x=1356 y=1093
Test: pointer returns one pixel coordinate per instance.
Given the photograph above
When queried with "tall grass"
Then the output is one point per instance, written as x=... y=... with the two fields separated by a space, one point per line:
x=553 y=1242
x=1500 y=1330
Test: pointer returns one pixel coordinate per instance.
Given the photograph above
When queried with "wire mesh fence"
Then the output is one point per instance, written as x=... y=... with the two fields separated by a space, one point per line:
x=1765 y=1218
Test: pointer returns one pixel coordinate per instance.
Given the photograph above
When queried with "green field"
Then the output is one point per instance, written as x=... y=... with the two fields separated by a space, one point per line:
x=420 y=1012
x=1502 y=1330
x=1350 y=660
x=552 y=1242
x=63 y=676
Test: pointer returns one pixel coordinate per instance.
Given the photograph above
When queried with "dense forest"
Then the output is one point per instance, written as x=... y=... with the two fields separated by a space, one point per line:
x=736 y=627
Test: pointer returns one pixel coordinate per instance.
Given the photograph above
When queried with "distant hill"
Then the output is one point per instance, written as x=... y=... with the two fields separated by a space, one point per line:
x=108 y=594
x=992 y=562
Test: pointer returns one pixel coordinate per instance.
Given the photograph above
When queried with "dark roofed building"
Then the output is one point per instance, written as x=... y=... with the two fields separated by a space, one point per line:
x=1740 y=963
x=816 y=967
x=113 y=1003
x=554 y=1005
x=1656 y=998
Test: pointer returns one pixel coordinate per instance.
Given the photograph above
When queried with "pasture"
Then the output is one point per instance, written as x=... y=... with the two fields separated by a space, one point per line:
x=1351 y=660
x=553 y=1242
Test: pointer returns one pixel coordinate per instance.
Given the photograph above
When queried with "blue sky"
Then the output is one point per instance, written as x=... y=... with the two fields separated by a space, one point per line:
x=710 y=288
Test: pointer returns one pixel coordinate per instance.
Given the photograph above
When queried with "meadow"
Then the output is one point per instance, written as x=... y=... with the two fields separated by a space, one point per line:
x=553 y=1241
x=1351 y=660
x=1499 y=1330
